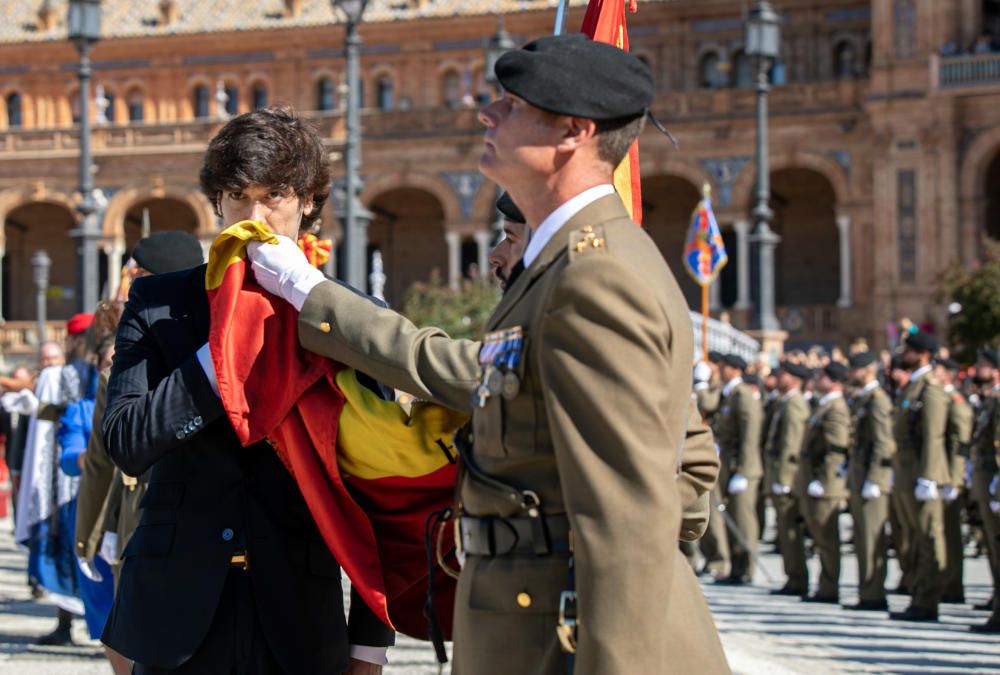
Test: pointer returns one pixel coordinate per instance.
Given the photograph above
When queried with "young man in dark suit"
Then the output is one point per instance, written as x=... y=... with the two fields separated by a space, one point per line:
x=227 y=572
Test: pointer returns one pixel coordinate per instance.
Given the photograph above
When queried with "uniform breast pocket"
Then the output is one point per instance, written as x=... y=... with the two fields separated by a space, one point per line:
x=505 y=424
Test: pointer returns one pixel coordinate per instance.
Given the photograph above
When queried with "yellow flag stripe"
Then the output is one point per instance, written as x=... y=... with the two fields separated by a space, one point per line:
x=230 y=247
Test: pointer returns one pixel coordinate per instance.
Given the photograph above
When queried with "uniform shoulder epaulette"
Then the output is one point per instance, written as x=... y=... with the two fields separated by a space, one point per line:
x=588 y=239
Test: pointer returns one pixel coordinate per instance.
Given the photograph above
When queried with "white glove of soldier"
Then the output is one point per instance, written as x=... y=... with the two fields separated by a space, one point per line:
x=109 y=548
x=702 y=372
x=283 y=270
x=815 y=489
x=870 y=490
x=926 y=490
x=949 y=493
x=737 y=484
x=89 y=570
x=779 y=489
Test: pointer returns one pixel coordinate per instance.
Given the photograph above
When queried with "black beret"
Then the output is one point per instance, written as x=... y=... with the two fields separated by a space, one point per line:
x=991 y=355
x=170 y=251
x=949 y=364
x=836 y=371
x=922 y=342
x=714 y=357
x=735 y=361
x=862 y=359
x=797 y=369
x=508 y=208
x=897 y=363
x=752 y=379
x=573 y=75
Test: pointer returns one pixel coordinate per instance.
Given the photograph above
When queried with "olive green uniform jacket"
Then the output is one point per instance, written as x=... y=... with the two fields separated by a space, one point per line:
x=958 y=437
x=873 y=445
x=784 y=439
x=595 y=431
x=95 y=482
x=824 y=450
x=920 y=424
x=737 y=429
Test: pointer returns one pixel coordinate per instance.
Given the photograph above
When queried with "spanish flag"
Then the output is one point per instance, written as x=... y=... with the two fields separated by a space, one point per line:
x=370 y=473
x=605 y=22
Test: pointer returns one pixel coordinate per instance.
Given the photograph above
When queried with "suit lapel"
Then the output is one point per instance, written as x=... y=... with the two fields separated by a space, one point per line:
x=603 y=210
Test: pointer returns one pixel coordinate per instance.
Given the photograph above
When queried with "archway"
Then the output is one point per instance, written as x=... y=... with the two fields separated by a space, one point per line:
x=29 y=228
x=164 y=213
x=667 y=204
x=991 y=191
x=807 y=261
x=408 y=229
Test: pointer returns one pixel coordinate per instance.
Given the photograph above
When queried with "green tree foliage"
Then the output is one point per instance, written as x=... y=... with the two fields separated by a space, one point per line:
x=977 y=290
x=461 y=314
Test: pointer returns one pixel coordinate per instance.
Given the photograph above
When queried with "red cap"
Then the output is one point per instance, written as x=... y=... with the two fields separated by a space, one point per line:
x=79 y=323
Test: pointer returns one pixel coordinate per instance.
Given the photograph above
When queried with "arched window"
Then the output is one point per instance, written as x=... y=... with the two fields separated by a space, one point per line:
x=136 y=110
x=845 y=60
x=109 y=112
x=325 y=100
x=14 y=110
x=710 y=74
x=451 y=89
x=201 y=102
x=233 y=104
x=383 y=87
x=259 y=96
x=742 y=72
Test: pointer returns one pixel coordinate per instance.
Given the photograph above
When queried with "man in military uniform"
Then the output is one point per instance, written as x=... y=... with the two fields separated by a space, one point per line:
x=820 y=481
x=715 y=544
x=958 y=436
x=596 y=314
x=869 y=478
x=782 y=449
x=921 y=468
x=738 y=434
x=985 y=443
x=506 y=256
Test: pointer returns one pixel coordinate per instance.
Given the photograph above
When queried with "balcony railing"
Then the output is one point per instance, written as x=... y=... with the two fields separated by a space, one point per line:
x=21 y=337
x=723 y=337
x=965 y=71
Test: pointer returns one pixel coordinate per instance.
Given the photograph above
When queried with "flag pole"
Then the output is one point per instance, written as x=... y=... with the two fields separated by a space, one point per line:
x=560 y=18
x=704 y=322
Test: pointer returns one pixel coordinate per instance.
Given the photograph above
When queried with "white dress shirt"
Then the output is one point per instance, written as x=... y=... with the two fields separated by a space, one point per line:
x=732 y=384
x=555 y=220
x=829 y=397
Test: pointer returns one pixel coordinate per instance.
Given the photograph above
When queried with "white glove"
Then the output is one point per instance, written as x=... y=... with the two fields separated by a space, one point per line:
x=815 y=489
x=779 y=489
x=994 y=506
x=109 y=548
x=737 y=484
x=89 y=570
x=21 y=402
x=993 y=485
x=283 y=270
x=949 y=493
x=870 y=490
x=926 y=490
x=702 y=372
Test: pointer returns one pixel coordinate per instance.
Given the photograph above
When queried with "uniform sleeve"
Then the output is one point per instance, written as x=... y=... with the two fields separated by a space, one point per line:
x=884 y=442
x=750 y=419
x=708 y=399
x=837 y=429
x=699 y=461
x=933 y=460
x=95 y=480
x=340 y=324
x=794 y=420
x=605 y=399
x=961 y=433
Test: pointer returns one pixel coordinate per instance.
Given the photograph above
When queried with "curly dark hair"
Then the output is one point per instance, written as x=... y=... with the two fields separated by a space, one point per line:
x=271 y=147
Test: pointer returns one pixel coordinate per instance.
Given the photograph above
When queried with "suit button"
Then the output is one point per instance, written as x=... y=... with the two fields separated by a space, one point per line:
x=523 y=600
x=180 y=435
x=227 y=534
x=197 y=421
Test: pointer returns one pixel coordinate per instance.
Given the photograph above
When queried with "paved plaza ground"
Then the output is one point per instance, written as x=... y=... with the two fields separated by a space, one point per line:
x=761 y=634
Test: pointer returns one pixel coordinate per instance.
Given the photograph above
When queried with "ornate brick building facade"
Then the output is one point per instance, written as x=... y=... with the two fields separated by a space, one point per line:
x=885 y=136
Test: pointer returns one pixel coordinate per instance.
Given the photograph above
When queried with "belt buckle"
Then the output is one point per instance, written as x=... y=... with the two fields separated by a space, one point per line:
x=240 y=560
x=566 y=628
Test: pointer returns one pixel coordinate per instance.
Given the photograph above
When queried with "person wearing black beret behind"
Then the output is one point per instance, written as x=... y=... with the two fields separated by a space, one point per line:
x=985 y=445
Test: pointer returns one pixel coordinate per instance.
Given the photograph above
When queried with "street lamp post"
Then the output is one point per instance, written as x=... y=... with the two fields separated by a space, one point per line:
x=496 y=46
x=40 y=265
x=763 y=42
x=356 y=216
x=84 y=31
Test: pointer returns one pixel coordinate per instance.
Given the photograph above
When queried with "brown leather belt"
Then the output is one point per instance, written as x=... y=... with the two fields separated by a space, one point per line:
x=493 y=536
x=240 y=561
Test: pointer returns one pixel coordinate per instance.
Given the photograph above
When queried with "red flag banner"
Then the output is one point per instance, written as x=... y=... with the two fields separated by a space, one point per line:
x=370 y=473
x=605 y=22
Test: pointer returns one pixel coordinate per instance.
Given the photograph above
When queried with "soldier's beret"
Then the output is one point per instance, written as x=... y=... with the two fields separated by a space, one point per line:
x=752 y=379
x=735 y=361
x=714 y=357
x=991 y=355
x=948 y=364
x=861 y=360
x=897 y=363
x=169 y=251
x=922 y=342
x=797 y=370
x=573 y=75
x=836 y=371
x=508 y=208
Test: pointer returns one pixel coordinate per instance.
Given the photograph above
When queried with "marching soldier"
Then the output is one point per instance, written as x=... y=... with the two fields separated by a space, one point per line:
x=738 y=435
x=985 y=443
x=820 y=484
x=921 y=468
x=784 y=443
x=714 y=544
x=958 y=435
x=595 y=313
x=869 y=479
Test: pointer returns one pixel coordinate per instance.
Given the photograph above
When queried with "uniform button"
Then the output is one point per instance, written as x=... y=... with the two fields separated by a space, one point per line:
x=180 y=435
x=227 y=534
x=523 y=600
x=325 y=327
x=197 y=421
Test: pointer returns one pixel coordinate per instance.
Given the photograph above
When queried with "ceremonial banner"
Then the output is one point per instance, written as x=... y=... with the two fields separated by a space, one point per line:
x=370 y=473
x=605 y=22
x=704 y=250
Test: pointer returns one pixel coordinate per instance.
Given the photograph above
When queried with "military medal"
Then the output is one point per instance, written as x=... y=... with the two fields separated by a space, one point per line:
x=495 y=381
x=498 y=357
x=511 y=385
